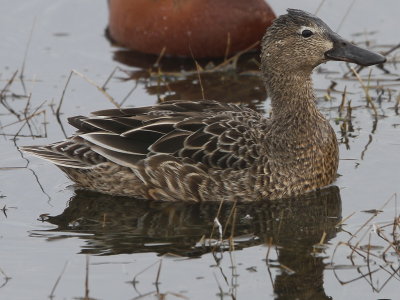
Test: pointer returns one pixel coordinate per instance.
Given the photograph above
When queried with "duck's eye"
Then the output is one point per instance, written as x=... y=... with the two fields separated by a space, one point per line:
x=306 y=33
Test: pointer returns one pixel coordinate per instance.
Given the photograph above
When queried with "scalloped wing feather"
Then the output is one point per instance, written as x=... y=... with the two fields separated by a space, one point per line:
x=214 y=134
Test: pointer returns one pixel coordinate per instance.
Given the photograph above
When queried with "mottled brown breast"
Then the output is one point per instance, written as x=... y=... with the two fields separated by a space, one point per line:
x=299 y=159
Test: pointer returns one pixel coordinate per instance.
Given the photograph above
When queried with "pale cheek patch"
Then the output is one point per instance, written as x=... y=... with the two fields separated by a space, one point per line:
x=328 y=45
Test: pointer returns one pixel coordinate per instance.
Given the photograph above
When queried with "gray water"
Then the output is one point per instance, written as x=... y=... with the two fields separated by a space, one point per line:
x=277 y=251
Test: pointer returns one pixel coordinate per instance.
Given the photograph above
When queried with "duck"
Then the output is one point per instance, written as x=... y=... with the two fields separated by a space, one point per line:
x=205 y=150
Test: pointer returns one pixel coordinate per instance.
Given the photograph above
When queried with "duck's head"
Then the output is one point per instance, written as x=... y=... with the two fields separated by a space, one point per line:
x=299 y=41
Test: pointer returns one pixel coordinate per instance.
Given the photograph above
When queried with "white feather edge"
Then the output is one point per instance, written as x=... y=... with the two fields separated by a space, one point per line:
x=58 y=160
x=91 y=138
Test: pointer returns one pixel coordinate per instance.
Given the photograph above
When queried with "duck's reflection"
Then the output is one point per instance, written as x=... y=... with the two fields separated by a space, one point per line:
x=122 y=225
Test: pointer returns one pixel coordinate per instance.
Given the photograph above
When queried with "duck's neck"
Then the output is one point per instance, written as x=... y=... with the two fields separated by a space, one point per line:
x=292 y=95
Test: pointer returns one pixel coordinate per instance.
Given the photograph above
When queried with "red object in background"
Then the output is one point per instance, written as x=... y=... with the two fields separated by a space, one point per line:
x=202 y=28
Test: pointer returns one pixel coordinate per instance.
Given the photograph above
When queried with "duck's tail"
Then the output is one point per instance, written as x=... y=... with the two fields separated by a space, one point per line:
x=66 y=154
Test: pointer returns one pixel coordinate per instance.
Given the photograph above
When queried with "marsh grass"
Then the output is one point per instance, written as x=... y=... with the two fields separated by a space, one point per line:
x=373 y=250
x=52 y=293
x=6 y=278
x=157 y=293
x=21 y=115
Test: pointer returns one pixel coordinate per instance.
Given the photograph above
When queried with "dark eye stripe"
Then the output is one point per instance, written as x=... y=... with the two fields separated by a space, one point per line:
x=306 y=33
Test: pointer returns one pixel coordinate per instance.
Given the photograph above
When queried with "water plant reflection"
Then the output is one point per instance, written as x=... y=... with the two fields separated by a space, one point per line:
x=236 y=79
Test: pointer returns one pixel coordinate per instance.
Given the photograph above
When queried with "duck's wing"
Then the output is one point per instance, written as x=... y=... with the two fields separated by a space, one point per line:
x=217 y=135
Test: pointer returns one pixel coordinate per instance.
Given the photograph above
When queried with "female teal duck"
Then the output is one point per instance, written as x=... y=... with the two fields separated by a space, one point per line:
x=206 y=150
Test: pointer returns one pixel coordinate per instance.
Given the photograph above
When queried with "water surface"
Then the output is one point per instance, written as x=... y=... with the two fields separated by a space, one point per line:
x=283 y=250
